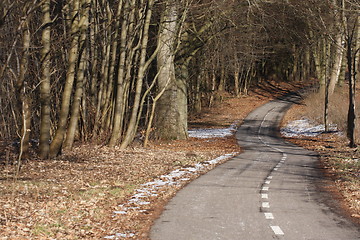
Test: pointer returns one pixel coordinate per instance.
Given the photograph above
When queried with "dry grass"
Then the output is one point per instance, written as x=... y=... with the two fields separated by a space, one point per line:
x=338 y=108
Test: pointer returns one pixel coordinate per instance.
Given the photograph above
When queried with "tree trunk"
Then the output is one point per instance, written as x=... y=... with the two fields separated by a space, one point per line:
x=45 y=121
x=182 y=76
x=351 y=119
x=213 y=86
x=236 y=82
x=57 y=142
x=171 y=119
x=75 y=110
x=353 y=43
x=336 y=68
x=119 y=99
x=24 y=100
x=326 y=87
x=338 y=54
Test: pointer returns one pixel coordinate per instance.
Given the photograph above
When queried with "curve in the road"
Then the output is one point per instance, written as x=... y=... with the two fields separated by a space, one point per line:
x=271 y=191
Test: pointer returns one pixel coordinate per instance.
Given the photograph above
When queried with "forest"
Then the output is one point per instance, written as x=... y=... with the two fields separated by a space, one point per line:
x=97 y=97
x=114 y=71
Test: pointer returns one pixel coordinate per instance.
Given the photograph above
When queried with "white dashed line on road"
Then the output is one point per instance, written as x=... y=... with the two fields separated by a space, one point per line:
x=265 y=205
x=277 y=230
x=269 y=216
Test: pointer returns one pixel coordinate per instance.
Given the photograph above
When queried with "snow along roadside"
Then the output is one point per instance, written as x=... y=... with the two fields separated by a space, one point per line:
x=140 y=201
x=304 y=128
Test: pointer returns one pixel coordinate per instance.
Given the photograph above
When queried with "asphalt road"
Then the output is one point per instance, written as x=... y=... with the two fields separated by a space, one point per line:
x=271 y=191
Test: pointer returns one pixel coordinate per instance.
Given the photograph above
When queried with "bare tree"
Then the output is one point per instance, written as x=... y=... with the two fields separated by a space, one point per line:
x=45 y=121
x=58 y=139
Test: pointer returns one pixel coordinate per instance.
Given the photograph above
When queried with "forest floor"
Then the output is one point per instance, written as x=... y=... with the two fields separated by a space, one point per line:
x=95 y=191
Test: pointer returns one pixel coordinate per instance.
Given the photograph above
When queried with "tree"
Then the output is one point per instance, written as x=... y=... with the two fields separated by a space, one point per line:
x=352 y=47
x=75 y=111
x=171 y=119
x=45 y=121
x=58 y=139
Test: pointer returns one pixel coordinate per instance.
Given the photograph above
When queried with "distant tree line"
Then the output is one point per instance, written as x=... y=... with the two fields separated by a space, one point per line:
x=112 y=70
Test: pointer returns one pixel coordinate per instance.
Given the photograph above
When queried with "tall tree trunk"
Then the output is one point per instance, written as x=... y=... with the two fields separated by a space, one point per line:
x=351 y=119
x=119 y=98
x=75 y=110
x=57 y=142
x=182 y=76
x=326 y=87
x=171 y=106
x=353 y=42
x=45 y=120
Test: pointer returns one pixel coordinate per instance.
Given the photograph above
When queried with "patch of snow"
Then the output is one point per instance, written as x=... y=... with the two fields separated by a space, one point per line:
x=213 y=133
x=120 y=212
x=304 y=127
x=120 y=235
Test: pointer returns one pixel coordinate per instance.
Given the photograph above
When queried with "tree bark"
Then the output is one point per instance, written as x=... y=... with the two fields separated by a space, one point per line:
x=119 y=99
x=338 y=50
x=171 y=122
x=24 y=100
x=80 y=78
x=45 y=120
x=353 y=43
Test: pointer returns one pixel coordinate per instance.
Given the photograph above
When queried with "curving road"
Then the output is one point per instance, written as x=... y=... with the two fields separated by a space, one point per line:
x=271 y=191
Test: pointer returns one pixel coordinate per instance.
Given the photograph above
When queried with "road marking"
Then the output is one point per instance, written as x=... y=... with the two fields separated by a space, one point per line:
x=269 y=215
x=277 y=230
x=266 y=205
